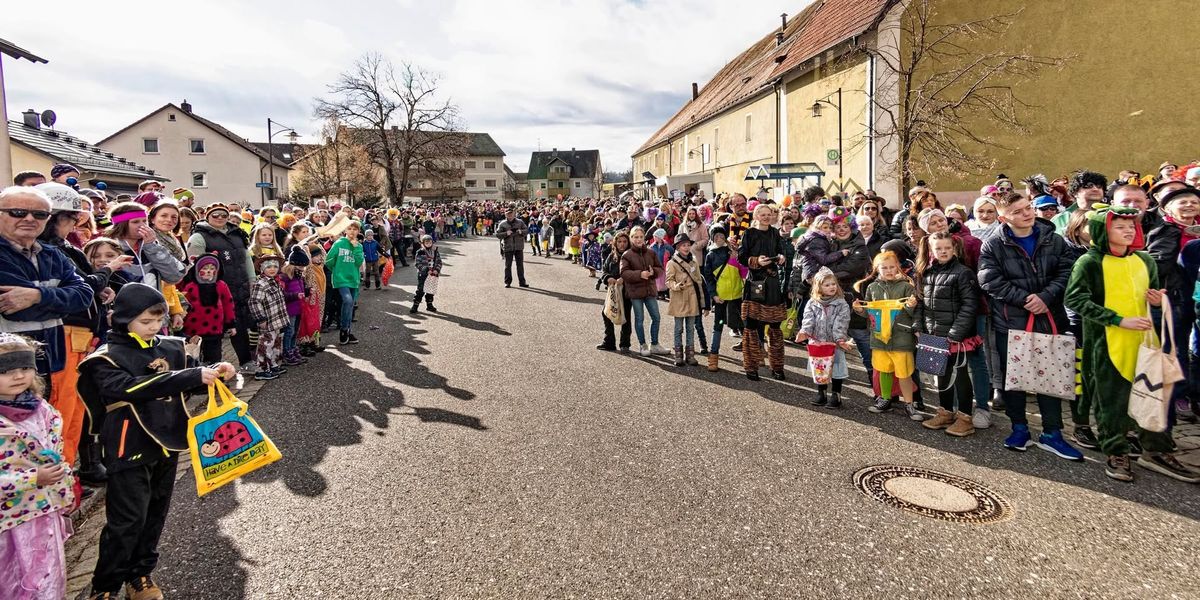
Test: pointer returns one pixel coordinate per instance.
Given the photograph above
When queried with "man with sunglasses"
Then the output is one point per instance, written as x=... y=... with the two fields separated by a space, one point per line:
x=1087 y=188
x=38 y=284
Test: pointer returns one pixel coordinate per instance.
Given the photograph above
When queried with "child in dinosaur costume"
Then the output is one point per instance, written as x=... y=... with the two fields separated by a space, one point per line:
x=1110 y=287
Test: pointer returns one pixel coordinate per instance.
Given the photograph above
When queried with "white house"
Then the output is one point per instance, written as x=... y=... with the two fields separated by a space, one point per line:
x=193 y=152
x=571 y=173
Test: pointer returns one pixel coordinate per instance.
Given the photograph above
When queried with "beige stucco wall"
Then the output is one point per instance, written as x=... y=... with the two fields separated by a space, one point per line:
x=24 y=159
x=481 y=174
x=809 y=139
x=232 y=170
x=729 y=154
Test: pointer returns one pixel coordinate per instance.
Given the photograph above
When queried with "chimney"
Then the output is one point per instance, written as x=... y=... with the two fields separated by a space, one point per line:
x=695 y=90
x=32 y=119
x=782 y=27
x=185 y=107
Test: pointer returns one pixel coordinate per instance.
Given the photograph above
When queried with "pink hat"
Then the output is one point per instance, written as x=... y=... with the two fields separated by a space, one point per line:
x=988 y=190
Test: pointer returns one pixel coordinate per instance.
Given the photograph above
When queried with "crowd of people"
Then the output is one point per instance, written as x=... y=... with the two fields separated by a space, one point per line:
x=114 y=309
x=1095 y=260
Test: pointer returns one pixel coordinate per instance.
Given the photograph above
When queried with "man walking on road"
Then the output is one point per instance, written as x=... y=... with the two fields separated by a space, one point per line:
x=512 y=232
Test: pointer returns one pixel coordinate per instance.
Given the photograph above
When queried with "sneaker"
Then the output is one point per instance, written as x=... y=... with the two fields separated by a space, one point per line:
x=1135 y=445
x=737 y=347
x=644 y=350
x=1167 y=464
x=1183 y=411
x=835 y=400
x=1117 y=467
x=605 y=347
x=1054 y=443
x=280 y=370
x=941 y=420
x=350 y=339
x=821 y=399
x=1019 y=439
x=294 y=361
x=981 y=418
x=1085 y=437
x=881 y=405
x=998 y=402
x=143 y=588
x=343 y=338
x=913 y=413
x=657 y=349
x=623 y=349
x=962 y=426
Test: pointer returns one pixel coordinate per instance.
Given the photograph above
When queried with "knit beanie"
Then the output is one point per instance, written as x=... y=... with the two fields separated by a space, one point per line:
x=927 y=214
x=298 y=257
x=132 y=300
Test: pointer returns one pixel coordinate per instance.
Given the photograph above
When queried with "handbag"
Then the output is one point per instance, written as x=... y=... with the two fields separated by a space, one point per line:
x=820 y=361
x=764 y=291
x=1157 y=373
x=933 y=354
x=225 y=442
x=431 y=285
x=614 y=305
x=1040 y=363
x=792 y=322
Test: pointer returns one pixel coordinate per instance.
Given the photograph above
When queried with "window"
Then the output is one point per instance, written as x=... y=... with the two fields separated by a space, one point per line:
x=150 y=146
x=562 y=184
x=716 y=142
x=543 y=185
x=170 y=116
x=748 y=128
x=489 y=183
x=491 y=164
x=199 y=180
x=470 y=164
x=470 y=183
x=578 y=185
x=197 y=146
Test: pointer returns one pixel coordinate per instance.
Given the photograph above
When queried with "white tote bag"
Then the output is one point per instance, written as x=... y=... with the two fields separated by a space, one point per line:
x=614 y=305
x=1040 y=363
x=431 y=285
x=1157 y=374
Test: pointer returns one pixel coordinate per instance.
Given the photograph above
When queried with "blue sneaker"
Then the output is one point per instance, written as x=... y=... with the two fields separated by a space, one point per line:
x=1054 y=442
x=1019 y=440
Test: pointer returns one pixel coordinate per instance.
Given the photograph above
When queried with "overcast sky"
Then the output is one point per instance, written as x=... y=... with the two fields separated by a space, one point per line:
x=585 y=73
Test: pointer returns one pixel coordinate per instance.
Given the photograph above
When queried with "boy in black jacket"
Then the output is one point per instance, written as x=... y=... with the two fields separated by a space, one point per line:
x=134 y=388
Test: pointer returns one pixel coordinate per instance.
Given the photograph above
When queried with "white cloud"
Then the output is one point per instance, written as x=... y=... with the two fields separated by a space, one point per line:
x=588 y=74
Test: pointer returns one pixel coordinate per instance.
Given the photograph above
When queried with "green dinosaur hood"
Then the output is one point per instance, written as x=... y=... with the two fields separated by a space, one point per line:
x=1099 y=221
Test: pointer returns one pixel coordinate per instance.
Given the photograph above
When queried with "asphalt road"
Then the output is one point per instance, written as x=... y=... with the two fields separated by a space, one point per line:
x=490 y=451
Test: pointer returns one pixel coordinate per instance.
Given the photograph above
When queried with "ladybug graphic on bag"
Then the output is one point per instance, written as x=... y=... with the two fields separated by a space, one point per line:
x=227 y=439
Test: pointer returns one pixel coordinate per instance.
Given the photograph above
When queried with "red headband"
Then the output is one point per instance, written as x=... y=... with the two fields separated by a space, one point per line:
x=128 y=216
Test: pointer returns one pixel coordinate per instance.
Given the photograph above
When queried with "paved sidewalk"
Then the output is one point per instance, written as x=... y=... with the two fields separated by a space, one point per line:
x=83 y=547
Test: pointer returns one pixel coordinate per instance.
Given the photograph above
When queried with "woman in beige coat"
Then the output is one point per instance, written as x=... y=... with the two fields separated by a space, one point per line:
x=684 y=282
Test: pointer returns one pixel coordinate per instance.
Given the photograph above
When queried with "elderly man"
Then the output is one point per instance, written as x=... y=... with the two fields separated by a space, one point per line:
x=512 y=232
x=38 y=284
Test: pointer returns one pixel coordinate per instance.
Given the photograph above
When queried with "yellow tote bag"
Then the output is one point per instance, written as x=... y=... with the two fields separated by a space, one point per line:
x=225 y=442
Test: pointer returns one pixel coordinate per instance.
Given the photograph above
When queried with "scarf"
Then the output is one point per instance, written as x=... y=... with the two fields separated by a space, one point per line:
x=26 y=401
x=167 y=240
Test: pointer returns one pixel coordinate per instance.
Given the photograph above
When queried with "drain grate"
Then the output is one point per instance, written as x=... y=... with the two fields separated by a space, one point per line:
x=932 y=494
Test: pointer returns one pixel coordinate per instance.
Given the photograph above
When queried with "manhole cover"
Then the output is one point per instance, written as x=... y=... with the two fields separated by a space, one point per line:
x=932 y=494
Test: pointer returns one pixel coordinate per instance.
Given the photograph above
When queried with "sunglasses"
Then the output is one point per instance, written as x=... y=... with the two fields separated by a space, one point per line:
x=219 y=215
x=21 y=213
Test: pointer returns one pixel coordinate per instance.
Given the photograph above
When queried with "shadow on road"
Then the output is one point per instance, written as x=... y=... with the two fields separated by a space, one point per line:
x=562 y=296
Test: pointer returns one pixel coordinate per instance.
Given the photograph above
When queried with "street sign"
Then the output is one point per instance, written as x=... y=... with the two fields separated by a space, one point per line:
x=833 y=157
x=263 y=184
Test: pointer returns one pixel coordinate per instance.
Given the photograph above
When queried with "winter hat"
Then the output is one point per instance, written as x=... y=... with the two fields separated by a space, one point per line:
x=660 y=234
x=63 y=198
x=261 y=262
x=716 y=230
x=1045 y=201
x=181 y=192
x=369 y=232
x=148 y=199
x=426 y=237
x=682 y=239
x=62 y=169
x=133 y=300
x=607 y=238
x=838 y=214
x=796 y=233
x=298 y=257
x=216 y=207
x=927 y=214
x=203 y=261
x=982 y=200
x=1173 y=194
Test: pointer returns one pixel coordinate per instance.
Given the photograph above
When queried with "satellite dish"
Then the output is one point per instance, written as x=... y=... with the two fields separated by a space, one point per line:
x=49 y=118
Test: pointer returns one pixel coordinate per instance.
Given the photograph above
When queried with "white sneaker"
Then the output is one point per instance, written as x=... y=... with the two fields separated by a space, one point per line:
x=981 y=418
x=644 y=350
x=657 y=349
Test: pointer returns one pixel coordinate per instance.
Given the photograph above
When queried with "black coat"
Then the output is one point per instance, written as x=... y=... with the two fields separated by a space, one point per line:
x=1163 y=244
x=949 y=299
x=1008 y=275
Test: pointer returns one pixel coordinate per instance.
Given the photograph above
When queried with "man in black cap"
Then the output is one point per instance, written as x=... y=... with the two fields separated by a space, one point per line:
x=512 y=232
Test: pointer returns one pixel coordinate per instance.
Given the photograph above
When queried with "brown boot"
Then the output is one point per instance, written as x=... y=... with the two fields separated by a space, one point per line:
x=962 y=426
x=679 y=356
x=689 y=356
x=713 y=361
x=142 y=588
x=941 y=420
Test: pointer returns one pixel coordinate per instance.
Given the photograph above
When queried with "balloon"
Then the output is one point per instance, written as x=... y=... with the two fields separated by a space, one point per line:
x=100 y=185
x=72 y=181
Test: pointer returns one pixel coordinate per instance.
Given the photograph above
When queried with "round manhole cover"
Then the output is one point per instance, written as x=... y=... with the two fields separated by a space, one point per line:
x=932 y=494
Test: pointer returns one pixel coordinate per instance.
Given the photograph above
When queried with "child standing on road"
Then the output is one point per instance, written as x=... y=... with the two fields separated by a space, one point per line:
x=685 y=282
x=574 y=245
x=135 y=387
x=591 y=253
x=891 y=347
x=534 y=230
x=35 y=481
x=663 y=251
x=827 y=320
x=295 y=290
x=345 y=262
x=212 y=315
x=312 y=309
x=370 y=249
x=429 y=263
x=269 y=310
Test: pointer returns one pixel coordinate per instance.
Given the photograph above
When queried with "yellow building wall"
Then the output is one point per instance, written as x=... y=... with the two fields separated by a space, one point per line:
x=1125 y=101
x=730 y=154
x=809 y=138
x=24 y=159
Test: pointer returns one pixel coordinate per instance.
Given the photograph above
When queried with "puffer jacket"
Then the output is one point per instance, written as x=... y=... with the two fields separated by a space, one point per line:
x=949 y=300
x=1008 y=275
x=633 y=262
x=814 y=250
x=826 y=320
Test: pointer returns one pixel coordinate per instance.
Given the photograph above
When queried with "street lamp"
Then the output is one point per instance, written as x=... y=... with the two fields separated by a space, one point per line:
x=271 y=151
x=816 y=113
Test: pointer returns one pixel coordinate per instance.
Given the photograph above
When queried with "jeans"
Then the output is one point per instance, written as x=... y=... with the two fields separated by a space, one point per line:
x=641 y=306
x=981 y=379
x=699 y=319
x=289 y=334
x=862 y=341
x=727 y=312
x=683 y=324
x=349 y=297
x=1014 y=401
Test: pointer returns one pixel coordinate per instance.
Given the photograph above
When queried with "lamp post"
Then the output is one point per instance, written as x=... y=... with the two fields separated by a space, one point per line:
x=816 y=113
x=271 y=153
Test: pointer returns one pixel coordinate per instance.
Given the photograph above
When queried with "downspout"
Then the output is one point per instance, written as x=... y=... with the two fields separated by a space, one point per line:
x=778 y=85
x=871 y=121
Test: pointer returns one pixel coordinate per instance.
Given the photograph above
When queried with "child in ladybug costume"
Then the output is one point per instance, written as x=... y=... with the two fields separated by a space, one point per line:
x=134 y=388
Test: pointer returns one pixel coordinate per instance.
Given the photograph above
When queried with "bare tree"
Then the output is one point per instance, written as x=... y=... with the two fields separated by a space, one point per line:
x=339 y=166
x=399 y=119
x=948 y=79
